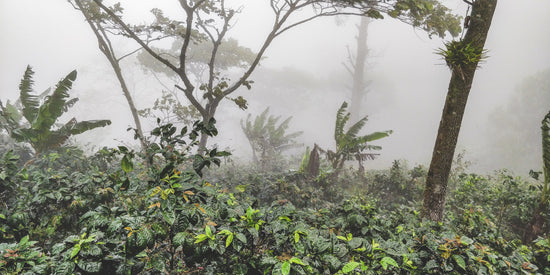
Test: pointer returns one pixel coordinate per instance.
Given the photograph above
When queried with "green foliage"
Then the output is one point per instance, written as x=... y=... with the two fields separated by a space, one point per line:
x=267 y=138
x=108 y=214
x=22 y=257
x=348 y=144
x=42 y=117
x=458 y=55
x=171 y=110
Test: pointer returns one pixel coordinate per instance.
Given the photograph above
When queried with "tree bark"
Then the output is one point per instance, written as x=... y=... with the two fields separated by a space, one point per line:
x=453 y=112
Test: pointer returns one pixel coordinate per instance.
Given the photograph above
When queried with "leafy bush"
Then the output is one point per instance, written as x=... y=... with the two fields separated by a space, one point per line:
x=68 y=213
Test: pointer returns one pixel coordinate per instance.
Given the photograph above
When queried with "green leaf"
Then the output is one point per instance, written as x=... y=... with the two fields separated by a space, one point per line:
x=126 y=164
x=241 y=237
x=169 y=216
x=466 y=241
x=24 y=240
x=75 y=251
x=285 y=268
x=388 y=261
x=179 y=239
x=295 y=260
x=459 y=261
x=200 y=238
x=208 y=231
x=349 y=267
x=228 y=240
x=28 y=100
x=342 y=238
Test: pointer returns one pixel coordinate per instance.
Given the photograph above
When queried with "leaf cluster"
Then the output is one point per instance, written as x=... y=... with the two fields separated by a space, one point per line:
x=41 y=117
x=268 y=138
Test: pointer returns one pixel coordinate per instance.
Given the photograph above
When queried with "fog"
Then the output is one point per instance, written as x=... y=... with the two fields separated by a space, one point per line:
x=409 y=81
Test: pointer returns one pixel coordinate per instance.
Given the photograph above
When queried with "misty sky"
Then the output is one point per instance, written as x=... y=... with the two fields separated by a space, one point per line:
x=409 y=80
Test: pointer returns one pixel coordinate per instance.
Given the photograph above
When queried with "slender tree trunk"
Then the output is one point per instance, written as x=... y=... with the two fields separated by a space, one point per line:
x=359 y=88
x=105 y=47
x=451 y=119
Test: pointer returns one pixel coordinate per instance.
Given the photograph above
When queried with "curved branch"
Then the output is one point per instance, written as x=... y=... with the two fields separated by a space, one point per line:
x=133 y=35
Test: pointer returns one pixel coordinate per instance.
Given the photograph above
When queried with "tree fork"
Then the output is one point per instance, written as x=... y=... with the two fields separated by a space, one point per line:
x=453 y=112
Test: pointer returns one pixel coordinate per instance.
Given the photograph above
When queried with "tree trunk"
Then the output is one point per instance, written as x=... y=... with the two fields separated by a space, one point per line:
x=451 y=119
x=358 y=89
x=105 y=47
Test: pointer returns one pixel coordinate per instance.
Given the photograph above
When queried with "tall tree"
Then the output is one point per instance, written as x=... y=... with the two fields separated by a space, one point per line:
x=94 y=18
x=357 y=67
x=211 y=20
x=462 y=57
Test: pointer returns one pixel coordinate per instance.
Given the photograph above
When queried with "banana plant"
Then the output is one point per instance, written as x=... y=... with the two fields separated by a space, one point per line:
x=349 y=145
x=42 y=116
x=267 y=138
x=536 y=226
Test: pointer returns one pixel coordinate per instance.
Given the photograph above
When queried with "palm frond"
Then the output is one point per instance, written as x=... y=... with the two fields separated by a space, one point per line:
x=342 y=118
x=29 y=101
x=70 y=103
x=53 y=106
x=9 y=116
x=23 y=134
x=376 y=136
x=355 y=128
x=83 y=126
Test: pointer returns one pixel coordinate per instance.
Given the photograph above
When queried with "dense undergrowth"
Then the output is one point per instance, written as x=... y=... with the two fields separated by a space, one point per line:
x=109 y=213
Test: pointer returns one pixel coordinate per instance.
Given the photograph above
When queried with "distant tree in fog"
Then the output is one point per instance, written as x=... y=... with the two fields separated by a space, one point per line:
x=356 y=67
x=513 y=128
x=209 y=22
x=268 y=137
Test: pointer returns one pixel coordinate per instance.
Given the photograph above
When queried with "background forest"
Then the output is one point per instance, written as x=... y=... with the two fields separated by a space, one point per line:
x=272 y=137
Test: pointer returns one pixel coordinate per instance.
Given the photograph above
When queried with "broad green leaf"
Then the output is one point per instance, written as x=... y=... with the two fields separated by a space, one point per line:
x=459 y=261
x=466 y=241
x=241 y=237
x=169 y=216
x=126 y=164
x=228 y=240
x=388 y=261
x=208 y=231
x=179 y=239
x=24 y=240
x=349 y=267
x=285 y=268
x=29 y=101
x=295 y=260
x=200 y=238
x=75 y=251
x=342 y=238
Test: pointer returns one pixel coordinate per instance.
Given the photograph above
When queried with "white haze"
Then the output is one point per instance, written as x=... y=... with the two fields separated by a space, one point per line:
x=408 y=90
